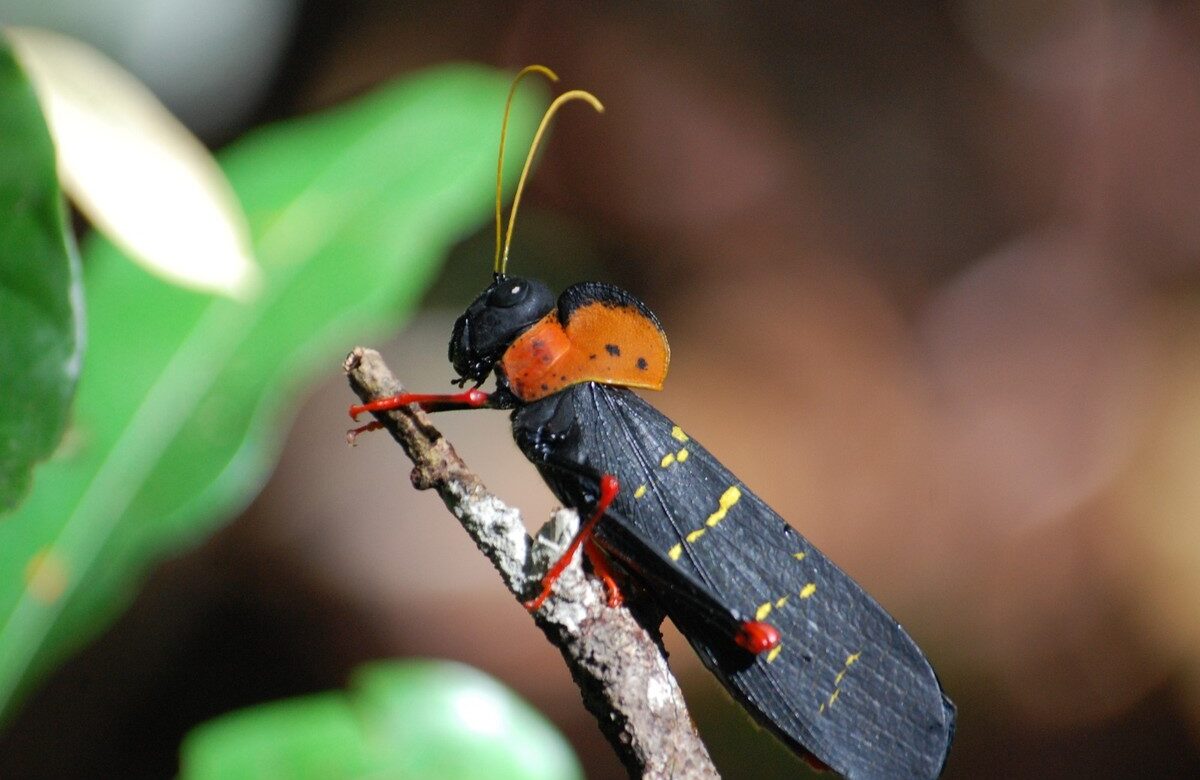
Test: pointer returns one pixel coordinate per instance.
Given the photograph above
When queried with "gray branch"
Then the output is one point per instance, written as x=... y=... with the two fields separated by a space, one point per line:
x=619 y=666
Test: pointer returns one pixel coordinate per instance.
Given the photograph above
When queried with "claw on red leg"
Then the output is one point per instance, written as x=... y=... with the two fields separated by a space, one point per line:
x=608 y=491
x=600 y=566
x=535 y=603
x=353 y=434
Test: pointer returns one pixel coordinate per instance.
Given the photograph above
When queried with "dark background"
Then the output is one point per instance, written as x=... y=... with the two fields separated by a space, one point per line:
x=930 y=274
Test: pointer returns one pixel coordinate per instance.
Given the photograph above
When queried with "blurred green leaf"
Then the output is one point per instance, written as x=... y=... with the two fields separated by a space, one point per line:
x=311 y=737
x=179 y=408
x=39 y=289
x=413 y=719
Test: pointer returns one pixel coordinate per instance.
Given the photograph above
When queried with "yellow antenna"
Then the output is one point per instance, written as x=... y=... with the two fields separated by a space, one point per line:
x=503 y=136
x=566 y=97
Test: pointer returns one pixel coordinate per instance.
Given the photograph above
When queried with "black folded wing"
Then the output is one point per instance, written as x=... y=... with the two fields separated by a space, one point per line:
x=846 y=683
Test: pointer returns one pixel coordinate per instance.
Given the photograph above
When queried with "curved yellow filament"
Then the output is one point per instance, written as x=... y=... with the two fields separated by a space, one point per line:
x=566 y=97
x=542 y=69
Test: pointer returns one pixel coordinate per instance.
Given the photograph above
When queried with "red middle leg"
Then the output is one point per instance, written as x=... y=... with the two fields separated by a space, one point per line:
x=608 y=492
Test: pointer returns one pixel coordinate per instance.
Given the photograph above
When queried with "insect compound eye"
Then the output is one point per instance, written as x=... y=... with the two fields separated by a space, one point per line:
x=509 y=293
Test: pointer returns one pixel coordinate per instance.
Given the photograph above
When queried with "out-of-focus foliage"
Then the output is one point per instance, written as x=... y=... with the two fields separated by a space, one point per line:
x=415 y=719
x=178 y=412
x=134 y=170
x=931 y=275
x=39 y=279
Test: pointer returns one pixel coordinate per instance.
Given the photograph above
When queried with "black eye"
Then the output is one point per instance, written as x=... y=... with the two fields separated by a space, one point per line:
x=508 y=294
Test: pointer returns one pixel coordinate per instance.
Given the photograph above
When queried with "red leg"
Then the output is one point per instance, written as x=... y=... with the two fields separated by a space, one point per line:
x=470 y=399
x=603 y=571
x=354 y=433
x=608 y=491
x=815 y=762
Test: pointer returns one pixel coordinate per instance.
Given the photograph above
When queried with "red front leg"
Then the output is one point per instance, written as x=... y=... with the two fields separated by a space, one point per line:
x=470 y=399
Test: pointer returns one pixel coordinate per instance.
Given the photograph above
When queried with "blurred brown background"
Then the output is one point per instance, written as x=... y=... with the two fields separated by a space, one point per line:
x=931 y=275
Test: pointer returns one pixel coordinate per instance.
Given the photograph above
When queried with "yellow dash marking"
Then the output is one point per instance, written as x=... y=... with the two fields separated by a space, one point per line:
x=837 y=681
x=678 y=434
x=775 y=651
x=821 y=708
x=808 y=590
x=46 y=576
x=675 y=552
x=799 y=556
x=779 y=604
x=667 y=460
x=641 y=491
x=764 y=609
x=694 y=535
x=728 y=499
x=682 y=455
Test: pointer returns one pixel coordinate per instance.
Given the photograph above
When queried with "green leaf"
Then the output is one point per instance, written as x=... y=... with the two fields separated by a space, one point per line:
x=315 y=736
x=179 y=408
x=40 y=317
x=413 y=719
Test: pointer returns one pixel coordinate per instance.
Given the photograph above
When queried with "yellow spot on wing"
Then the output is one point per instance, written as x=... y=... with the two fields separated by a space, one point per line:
x=782 y=600
x=641 y=491
x=678 y=434
x=667 y=460
x=808 y=590
x=682 y=455
x=775 y=651
x=837 y=681
x=799 y=556
x=763 y=610
x=728 y=499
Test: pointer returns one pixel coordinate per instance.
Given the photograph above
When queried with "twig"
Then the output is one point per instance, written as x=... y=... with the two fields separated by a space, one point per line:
x=619 y=666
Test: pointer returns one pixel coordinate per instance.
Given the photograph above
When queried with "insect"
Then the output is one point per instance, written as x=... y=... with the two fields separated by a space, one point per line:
x=792 y=637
